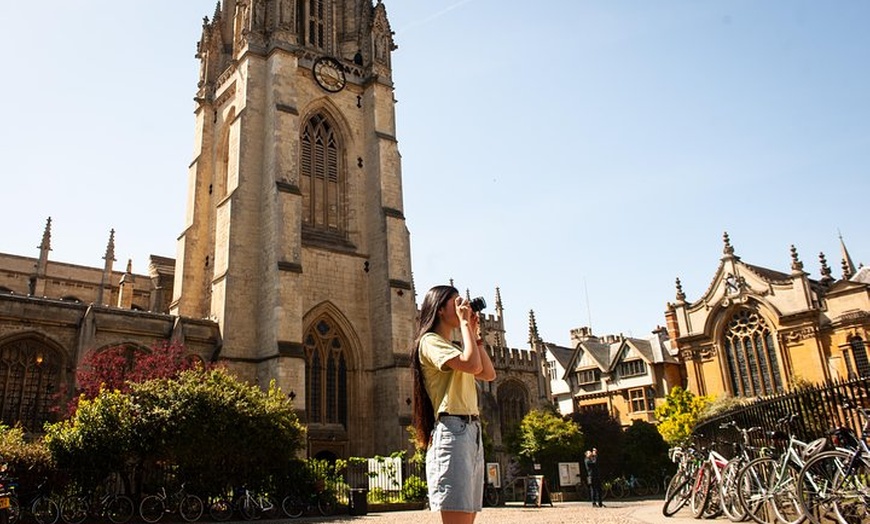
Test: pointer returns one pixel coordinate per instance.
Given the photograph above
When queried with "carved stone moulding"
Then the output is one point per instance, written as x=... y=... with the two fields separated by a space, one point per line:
x=794 y=336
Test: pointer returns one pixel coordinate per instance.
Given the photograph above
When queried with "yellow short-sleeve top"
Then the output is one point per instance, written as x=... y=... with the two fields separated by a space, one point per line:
x=453 y=392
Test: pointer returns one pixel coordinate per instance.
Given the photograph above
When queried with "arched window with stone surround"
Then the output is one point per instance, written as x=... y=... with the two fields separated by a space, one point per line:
x=859 y=359
x=29 y=382
x=326 y=370
x=321 y=176
x=513 y=404
x=751 y=355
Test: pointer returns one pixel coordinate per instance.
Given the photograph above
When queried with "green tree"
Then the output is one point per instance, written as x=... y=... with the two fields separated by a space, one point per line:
x=209 y=427
x=603 y=432
x=118 y=367
x=679 y=414
x=646 y=452
x=28 y=460
x=545 y=438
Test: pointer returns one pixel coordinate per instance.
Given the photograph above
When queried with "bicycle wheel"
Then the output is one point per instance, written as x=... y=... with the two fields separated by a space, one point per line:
x=14 y=510
x=677 y=497
x=267 y=506
x=490 y=496
x=853 y=490
x=701 y=491
x=220 y=510
x=728 y=497
x=784 y=500
x=653 y=486
x=714 y=501
x=754 y=489
x=616 y=489
x=292 y=506
x=676 y=482
x=120 y=509
x=641 y=487
x=152 y=508
x=326 y=504
x=247 y=507
x=45 y=510
x=74 y=509
x=190 y=508
x=829 y=491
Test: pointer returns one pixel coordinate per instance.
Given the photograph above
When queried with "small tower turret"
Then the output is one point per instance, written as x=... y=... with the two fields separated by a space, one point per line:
x=826 y=279
x=127 y=287
x=104 y=295
x=848 y=265
x=37 y=280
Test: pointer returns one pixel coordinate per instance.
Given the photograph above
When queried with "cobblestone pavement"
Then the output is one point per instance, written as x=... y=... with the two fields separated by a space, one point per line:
x=628 y=512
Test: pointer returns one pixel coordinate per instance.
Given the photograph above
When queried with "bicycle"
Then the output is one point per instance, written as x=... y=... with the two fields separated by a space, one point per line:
x=767 y=486
x=491 y=495
x=834 y=486
x=188 y=506
x=296 y=504
x=251 y=506
x=220 y=509
x=706 y=497
x=117 y=508
x=622 y=487
x=679 y=490
x=744 y=453
x=41 y=506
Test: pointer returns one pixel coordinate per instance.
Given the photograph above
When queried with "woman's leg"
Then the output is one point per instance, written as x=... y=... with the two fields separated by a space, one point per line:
x=457 y=517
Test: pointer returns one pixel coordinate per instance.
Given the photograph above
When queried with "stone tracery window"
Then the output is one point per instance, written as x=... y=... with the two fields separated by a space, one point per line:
x=513 y=405
x=325 y=374
x=321 y=176
x=29 y=381
x=753 y=365
x=859 y=357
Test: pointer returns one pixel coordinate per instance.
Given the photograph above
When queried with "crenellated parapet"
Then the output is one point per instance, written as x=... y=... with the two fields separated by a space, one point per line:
x=512 y=358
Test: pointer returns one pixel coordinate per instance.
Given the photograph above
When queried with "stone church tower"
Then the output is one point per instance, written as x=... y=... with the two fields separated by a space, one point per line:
x=295 y=239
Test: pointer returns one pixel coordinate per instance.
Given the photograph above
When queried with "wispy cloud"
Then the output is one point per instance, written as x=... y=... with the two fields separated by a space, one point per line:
x=432 y=17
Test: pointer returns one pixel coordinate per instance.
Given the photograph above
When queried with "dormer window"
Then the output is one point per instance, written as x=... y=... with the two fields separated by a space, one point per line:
x=588 y=376
x=632 y=368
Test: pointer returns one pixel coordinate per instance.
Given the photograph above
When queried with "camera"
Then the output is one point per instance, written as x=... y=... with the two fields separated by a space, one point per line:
x=477 y=304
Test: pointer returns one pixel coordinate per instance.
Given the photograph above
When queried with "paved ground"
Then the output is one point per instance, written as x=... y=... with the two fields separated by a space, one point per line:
x=631 y=512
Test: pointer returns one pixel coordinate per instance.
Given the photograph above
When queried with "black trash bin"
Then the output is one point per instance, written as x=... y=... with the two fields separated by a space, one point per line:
x=359 y=504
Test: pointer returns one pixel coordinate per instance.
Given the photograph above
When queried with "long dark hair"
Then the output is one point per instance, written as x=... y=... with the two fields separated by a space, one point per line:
x=423 y=417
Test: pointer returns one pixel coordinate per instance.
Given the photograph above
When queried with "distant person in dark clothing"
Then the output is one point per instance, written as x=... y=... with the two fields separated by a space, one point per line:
x=593 y=477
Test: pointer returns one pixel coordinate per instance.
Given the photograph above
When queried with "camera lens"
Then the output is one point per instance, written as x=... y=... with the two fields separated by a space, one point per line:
x=478 y=304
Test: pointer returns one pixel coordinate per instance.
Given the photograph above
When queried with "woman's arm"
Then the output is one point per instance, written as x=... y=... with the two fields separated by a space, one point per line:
x=487 y=371
x=469 y=361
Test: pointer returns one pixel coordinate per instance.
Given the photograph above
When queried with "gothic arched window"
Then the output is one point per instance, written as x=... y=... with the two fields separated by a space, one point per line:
x=321 y=177
x=29 y=381
x=513 y=404
x=325 y=374
x=753 y=365
x=859 y=357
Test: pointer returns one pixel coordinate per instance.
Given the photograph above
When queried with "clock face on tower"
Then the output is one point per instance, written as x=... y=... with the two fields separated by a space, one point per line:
x=329 y=74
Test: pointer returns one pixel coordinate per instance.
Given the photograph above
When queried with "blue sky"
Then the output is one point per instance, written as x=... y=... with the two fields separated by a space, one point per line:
x=580 y=155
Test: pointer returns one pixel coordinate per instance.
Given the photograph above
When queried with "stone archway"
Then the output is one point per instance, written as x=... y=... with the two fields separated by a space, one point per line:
x=30 y=382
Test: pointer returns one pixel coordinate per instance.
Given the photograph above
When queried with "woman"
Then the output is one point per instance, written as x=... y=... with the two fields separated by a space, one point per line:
x=446 y=417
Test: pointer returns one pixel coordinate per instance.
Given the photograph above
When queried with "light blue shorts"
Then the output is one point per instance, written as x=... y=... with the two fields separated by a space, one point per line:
x=454 y=466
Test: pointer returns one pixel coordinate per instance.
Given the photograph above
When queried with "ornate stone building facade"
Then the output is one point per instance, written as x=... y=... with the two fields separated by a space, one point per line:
x=626 y=377
x=52 y=314
x=295 y=240
x=757 y=331
x=294 y=262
